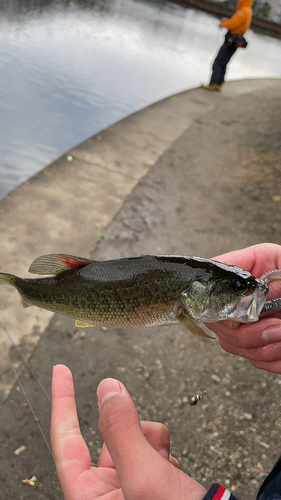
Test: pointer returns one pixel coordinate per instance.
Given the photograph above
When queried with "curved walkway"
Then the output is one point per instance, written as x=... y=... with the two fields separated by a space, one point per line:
x=195 y=174
x=67 y=206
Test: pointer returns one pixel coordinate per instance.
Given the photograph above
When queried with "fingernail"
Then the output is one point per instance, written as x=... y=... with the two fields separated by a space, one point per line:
x=108 y=388
x=174 y=462
x=272 y=334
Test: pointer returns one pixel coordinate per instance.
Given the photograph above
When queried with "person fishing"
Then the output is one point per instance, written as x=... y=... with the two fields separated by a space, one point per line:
x=135 y=461
x=237 y=26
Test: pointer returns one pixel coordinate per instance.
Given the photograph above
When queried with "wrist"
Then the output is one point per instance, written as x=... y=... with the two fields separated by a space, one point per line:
x=218 y=492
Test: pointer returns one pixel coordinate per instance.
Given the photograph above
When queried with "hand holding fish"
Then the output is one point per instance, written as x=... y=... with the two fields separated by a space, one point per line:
x=259 y=342
x=134 y=462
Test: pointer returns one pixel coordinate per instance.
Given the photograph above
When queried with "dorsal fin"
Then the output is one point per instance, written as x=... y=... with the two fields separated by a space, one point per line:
x=54 y=264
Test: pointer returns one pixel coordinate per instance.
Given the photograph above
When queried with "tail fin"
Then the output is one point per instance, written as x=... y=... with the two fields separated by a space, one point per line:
x=12 y=280
x=8 y=279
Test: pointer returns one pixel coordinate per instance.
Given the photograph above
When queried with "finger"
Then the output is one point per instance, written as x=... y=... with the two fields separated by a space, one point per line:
x=142 y=471
x=71 y=454
x=242 y=258
x=247 y=336
x=106 y=461
x=119 y=424
x=174 y=462
x=267 y=353
x=272 y=366
x=157 y=435
x=257 y=259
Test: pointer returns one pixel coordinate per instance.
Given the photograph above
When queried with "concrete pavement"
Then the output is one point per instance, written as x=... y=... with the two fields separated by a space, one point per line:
x=67 y=205
x=194 y=174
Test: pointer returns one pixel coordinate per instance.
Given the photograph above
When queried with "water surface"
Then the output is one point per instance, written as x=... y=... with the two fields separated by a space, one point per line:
x=70 y=68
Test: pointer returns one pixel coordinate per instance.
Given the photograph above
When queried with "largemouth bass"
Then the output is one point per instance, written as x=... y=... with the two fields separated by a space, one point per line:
x=142 y=291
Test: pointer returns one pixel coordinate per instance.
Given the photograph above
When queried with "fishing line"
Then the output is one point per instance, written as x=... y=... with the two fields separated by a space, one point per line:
x=26 y=363
x=30 y=406
x=22 y=388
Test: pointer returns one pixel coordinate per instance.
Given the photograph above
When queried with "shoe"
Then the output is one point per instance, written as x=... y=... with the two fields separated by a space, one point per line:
x=215 y=86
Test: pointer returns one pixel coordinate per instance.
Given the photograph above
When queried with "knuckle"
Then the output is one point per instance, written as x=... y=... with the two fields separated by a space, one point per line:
x=271 y=352
x=245 y=337
x=162 y=429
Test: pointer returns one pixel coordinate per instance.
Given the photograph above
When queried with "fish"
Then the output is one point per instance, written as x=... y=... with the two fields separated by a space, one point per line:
x=143 y=291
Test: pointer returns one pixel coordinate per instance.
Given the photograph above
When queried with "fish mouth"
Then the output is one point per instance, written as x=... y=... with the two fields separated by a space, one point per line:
x=249 y=308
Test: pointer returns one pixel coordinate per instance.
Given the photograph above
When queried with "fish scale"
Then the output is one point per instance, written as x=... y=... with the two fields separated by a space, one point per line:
x=142 y=291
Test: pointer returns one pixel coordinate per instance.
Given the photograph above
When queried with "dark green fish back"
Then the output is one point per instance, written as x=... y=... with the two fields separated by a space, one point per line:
x=137 y=291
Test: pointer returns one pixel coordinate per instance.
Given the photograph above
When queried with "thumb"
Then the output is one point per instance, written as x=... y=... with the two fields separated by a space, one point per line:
x=142 y=471
x=134 y=458
x=119 y=422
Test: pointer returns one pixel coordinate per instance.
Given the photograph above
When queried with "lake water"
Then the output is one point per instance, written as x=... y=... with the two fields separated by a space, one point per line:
x=70 y=68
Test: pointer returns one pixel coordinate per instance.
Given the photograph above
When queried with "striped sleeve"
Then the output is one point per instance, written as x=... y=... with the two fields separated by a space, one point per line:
x=218 y=492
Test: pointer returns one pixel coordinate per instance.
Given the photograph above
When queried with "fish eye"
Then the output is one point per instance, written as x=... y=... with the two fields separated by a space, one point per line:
x=239 y=286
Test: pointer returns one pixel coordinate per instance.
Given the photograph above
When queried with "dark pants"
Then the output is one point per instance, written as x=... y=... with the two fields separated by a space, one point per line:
x=271 y=487
x=219 y=67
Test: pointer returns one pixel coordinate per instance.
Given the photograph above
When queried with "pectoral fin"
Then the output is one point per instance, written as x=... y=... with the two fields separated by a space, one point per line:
x=82 y=324
x=190 y=324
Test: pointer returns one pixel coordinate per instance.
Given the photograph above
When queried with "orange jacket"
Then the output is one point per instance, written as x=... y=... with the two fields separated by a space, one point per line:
x=240 y=22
